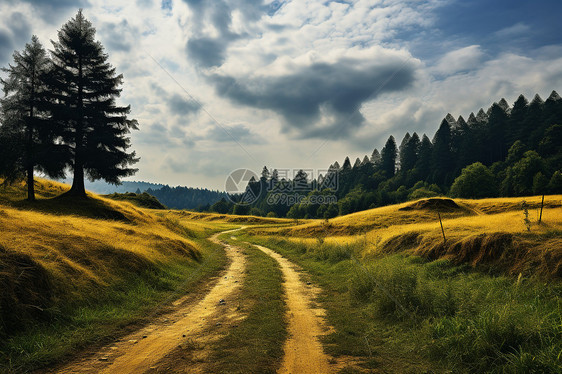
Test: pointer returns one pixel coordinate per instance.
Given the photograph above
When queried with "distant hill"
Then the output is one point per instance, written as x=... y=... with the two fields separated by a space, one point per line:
x=104 y=188
x=186 y=197
x=173 y=197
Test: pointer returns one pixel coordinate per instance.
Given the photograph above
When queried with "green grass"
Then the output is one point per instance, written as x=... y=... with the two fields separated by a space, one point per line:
x=133 y=300
x=400 y=313
x=256 y=345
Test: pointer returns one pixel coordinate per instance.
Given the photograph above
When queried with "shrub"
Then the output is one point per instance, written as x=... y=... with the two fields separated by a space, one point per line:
x=475 y=181
x=421 y=193
x=555 y=184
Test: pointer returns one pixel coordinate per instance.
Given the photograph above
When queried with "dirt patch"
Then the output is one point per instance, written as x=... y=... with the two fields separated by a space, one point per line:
x=433 y=204
x=303 y=351
x=190 y=323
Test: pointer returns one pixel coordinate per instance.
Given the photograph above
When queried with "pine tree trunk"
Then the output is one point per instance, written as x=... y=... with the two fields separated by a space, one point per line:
x=29 y=168
x=78 y=188
x=29 y=151
x=30 y=184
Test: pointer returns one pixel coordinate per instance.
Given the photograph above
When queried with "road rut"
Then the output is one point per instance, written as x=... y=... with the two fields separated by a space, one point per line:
x=303 y=351
x=142 y=350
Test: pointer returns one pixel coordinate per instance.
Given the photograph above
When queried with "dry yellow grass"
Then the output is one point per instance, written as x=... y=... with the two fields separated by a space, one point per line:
x=368 y=220
x=83 y=246
x=487 y=231
x=227 y=218
x=44 y=189
x=63 y=250
x=72 y=244
x=504 y=204
x=53 y=238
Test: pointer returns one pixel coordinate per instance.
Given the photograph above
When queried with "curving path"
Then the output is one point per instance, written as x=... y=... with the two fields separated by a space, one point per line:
x=303 y=353
x=142 y=350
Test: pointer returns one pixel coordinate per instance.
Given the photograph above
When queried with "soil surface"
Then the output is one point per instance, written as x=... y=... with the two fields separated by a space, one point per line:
x=180 y=340
x=303 y=353
x=191 y=323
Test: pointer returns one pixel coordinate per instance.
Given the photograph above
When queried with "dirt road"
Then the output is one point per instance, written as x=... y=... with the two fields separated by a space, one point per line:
x=141 y=351
x=303 y=351
x=167 y=344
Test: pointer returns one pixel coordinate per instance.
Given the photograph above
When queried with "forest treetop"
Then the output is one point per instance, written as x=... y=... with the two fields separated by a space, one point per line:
x=505 y=151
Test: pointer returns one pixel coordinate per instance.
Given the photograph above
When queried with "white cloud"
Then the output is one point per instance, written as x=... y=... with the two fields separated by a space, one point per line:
x=260 y=49
x=460 y=60
x=519 y=29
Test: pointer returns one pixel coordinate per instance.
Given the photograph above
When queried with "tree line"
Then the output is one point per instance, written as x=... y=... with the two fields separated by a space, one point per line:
x=186 y=197
x=504 y=151
x=59 y=112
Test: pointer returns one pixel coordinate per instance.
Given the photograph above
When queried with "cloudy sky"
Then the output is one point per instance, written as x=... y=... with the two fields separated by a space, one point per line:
x=218 y=85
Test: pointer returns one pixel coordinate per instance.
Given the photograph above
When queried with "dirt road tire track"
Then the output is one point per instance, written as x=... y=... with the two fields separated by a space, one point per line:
x=303 y=353
x=141 y=350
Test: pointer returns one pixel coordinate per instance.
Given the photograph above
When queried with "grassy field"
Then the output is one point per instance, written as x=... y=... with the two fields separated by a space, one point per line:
x=488 y=299
x=74 y=273
x=401 y=297
x=489 y=232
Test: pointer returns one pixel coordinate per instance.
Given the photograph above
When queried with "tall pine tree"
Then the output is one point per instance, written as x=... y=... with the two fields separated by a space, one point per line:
x=28 y=136
x=423 y=165
x=497 y=134
x=442 y=160
x=409 y=153
x=388 y=157
x=462 y=144
x=533 y=121
x=517 y=120
x=553 y=109
x=375 y=157
x=405 y=140
x=85 y=87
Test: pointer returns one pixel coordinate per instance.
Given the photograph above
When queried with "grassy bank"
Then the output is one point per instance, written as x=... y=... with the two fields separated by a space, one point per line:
x=123 y=306
x=402 y=313
x=488 y=233
x=75 y=272
x=256 y=345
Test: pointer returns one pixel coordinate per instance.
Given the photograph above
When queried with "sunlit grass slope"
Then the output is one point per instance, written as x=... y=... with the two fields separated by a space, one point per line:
x=403 y=299
x=487 y=231
x=229 y=218
x=48 y=258
x=62 y=258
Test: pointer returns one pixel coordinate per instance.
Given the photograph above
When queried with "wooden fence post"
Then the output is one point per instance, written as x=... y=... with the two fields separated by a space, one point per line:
x=442 y=230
